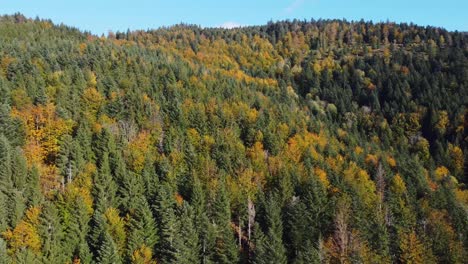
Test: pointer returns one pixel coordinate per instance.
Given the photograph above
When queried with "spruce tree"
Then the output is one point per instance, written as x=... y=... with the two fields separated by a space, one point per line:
x=201 y=222
x=225 y=248
x=142 y=228
x=33 y=192
x=274 y=235
x=259 y=245
x=107 y=252
x=4 y=257
x=52 y=236
x=6 y=181
x=105 y=187
x=186 y=243
x=167 y=224
x=19 y=169
x=78 y=230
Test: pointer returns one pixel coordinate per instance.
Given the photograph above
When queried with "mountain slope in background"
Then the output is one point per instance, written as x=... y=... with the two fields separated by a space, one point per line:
x=295 y=142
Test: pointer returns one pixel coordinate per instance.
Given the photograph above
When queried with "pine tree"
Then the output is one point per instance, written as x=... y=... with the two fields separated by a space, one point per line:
x=19 y=169
x=66 y=160
x=412 y=250
x=142 y=228
x=186 y=243
x=273 y=243
x=52 y=236
x=11 y=128
x=308 y=254
x=98 y=228
x=5 y=164
x=33 y=191
x=77 y=231
x=150 y=179
x=4 y=257
x=200 y=219
x=6 y=183
x=105 y=187
x=131 y=186
x=258 y=243
x=167 y=224
x=107 y=252
x=225 y=248
x=3 y=212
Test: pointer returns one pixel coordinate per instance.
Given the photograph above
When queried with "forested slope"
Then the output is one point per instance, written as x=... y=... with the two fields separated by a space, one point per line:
x=295 y=142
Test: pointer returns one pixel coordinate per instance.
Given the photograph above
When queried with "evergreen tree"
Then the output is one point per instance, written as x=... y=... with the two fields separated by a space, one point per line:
x=5 y=164
x=225 y=247
x=142 y=228
x=186 y=243
x=105 y=187
x=33 y=191
x=259 y=254
x=52 y=236
x=273 y=242
x=167 y=224
x=4 y=257
x=107 y=252
x=200 y=219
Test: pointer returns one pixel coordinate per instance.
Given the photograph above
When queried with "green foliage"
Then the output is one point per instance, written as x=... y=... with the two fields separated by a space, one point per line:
x=188 y=144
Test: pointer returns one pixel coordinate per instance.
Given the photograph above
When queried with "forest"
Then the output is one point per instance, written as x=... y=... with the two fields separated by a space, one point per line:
x=318 y=141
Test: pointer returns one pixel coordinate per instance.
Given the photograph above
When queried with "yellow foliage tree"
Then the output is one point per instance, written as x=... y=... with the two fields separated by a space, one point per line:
x=322 y=176
x=44 y=129
x=457 y=159
x=116 y=227
x=359 y=179
x=441 y=173
x=138 y=150
x=143 y=255
x=25 y=234
x=412 y=250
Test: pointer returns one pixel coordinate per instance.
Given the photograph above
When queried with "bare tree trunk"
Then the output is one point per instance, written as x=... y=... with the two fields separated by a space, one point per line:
x=251 y=216
x=380 y=185
x=240 y=232
x=69 y=172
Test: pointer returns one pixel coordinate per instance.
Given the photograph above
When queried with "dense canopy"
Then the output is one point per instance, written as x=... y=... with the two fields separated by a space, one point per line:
x=294 y=142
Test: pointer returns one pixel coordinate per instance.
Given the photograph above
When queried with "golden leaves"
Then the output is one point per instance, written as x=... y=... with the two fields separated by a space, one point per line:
x=138 y=149
x=322 y=176
x=143 y=255
x=116 y=227
x=25 y=234
x=441 y=173
x=397 y=185
x=44 y=129
x=412 y=250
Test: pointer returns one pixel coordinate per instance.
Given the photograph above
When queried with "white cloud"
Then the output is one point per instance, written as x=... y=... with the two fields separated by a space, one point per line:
x=230 y=24
x=293 y=6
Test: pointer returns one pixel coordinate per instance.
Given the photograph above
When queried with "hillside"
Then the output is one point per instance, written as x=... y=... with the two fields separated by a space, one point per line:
x=294 y=142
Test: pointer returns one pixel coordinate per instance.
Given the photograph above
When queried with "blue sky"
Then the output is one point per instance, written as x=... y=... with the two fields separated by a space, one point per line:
x=100 y=16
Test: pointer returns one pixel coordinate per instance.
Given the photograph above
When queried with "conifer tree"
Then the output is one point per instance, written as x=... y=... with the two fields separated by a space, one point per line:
x=33 y=192
x=167 y=224
x=105 y=187
x=4 y=257
x=54 y=249
x=225 y=247
x=5 y=164
x=186 y=243
x=107 y=252
x=142 y=229
x=259 y=245
x=273 y=243
x=77 y=231
x=200 y=219
x=19 y=169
